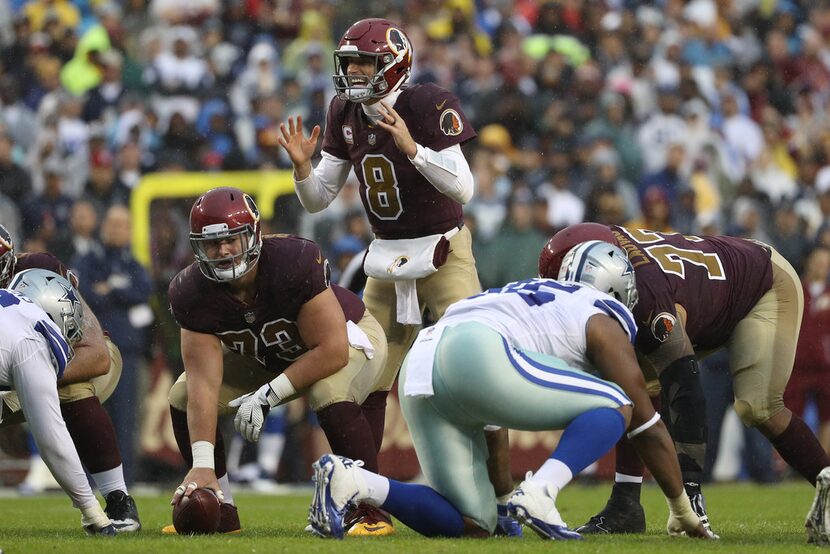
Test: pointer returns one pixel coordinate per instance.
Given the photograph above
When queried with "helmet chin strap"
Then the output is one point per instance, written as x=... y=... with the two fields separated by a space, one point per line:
x=372 y=111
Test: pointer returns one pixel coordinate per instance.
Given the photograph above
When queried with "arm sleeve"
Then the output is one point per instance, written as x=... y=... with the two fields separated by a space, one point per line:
x=447 y=170
x=34 y=381
x=323 y=184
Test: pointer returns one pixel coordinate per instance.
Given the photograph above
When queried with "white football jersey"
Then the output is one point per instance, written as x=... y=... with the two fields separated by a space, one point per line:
x=542 y=315
x=20 y=320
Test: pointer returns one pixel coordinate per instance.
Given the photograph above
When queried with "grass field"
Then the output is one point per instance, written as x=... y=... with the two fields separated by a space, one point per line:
x=749 y=518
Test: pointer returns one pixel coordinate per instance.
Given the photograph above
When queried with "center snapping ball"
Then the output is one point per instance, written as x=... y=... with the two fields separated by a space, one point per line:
x=197 y=514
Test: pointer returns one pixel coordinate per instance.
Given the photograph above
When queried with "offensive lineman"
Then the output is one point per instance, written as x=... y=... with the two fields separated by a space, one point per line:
x=258 y=313
x=528 y=347
x=42 y=319
x=699 y=294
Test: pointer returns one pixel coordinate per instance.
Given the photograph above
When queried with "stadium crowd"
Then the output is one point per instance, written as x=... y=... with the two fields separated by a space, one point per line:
x=700 y=117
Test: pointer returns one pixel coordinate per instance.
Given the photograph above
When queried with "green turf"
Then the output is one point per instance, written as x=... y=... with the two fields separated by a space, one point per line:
x=749 y=518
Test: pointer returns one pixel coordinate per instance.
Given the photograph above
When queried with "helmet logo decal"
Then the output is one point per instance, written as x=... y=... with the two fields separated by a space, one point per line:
x=251 y=205
x=397 y=41
x=69 y=296
x=451 y=123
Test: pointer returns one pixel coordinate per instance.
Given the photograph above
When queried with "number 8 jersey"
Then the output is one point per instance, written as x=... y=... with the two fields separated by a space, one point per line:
x=717 y=280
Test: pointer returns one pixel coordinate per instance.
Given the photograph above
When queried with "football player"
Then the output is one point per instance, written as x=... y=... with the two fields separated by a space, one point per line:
x=699 y=294
x=404 y=145
x=42 y=318
x=259 y=314
x=537 y=343
x=88 y=381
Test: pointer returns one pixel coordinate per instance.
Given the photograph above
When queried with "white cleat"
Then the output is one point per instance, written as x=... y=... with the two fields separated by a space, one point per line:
x=337 y=486
x=535 y=505
x=818 y=518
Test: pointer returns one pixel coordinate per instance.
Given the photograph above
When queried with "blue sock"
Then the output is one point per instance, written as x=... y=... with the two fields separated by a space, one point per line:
x=588 y=437
x=424 y=510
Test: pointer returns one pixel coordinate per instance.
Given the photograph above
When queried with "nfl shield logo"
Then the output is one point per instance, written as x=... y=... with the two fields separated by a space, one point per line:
x=250 y=317
x=372 y=139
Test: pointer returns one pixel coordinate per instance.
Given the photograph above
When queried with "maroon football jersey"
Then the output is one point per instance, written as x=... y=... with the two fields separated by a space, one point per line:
x=290 y=272
x=43 y=260
x=399 y=201
x=716 y=279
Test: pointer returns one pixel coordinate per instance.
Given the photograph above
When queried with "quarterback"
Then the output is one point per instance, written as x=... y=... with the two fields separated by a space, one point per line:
x=42 y=319
x=699 y=294
x=88 y=381
x=259 y=314
x=404 y=145
x=532 y=348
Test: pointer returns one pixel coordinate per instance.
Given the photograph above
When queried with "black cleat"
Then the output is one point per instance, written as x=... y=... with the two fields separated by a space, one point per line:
x=122 y=511
x=699 y=507
x=620 y=515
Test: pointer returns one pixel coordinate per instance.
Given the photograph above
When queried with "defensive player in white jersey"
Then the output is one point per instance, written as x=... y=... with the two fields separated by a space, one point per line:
x=521 y=357
x=41 y=317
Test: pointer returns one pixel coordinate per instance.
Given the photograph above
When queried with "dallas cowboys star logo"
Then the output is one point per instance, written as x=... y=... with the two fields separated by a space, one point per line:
x=69 y=296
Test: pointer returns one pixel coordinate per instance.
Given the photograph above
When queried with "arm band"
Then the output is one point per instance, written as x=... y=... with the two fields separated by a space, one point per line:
x=651 y=422
x=202 y=454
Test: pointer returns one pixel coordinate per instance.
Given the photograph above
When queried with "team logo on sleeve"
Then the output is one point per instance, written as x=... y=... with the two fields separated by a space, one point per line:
x=662 y=326
x=451 y=124
x=348 y=134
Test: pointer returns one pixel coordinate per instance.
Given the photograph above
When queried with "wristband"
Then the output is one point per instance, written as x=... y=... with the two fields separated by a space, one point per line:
x=202 y=454
x=282 y=389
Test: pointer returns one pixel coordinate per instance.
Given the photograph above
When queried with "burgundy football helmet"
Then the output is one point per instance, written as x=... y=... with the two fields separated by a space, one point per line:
x=223 y=214
x=7 y=259
x=550 y=259
x=387 y=44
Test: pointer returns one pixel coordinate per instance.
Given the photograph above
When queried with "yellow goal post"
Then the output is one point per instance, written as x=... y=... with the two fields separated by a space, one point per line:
x=264 y=186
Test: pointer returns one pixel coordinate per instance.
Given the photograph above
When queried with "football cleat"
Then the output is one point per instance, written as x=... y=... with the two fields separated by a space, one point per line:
x=108 y=531
x=818 y=518
x=228 y=521
x=368 y=521
x=699 y=507
x=337 y=486
x=535 y=506
x=507 y=526
x=121 y=509
x=621 y=514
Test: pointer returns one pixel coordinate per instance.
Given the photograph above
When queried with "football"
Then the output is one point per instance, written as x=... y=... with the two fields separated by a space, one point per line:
x=197 y=514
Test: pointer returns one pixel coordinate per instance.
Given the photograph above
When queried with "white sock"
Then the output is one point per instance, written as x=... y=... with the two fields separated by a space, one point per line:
x=110 y=480
x=623 y=478
x=225 y=485
x=378 y=487
x=553 y=472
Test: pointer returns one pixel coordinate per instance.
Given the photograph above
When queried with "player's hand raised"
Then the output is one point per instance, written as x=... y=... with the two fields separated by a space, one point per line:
x=299 y=148
x=396 y=126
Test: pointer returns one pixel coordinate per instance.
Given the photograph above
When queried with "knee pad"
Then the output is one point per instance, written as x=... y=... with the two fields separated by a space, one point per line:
x=748 y=413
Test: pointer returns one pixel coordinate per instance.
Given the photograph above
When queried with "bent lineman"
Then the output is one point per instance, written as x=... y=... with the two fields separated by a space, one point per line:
x=532 y=344
x=42 y=318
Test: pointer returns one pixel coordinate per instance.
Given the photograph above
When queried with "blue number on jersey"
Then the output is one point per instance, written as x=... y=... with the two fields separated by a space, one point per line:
x=534 y=292
x=8 y=299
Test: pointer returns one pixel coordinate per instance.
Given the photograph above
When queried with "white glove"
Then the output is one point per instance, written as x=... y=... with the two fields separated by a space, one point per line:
x=254 y=406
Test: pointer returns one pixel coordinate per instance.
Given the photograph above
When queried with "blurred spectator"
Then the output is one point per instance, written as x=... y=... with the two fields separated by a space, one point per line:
x=656 y=212
x=117 y=288
x=810 y=379
x=103 y=190
x=513 y=254
x=604 y=175
x=15 y=183
x=661 y=131
x=18 y=118
x=37 y=11
x=46 y=215
x=102 y=101
x=670 y=177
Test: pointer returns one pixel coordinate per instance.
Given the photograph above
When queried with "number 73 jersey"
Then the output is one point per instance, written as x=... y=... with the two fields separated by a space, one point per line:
x=717 y=280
